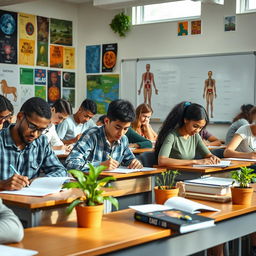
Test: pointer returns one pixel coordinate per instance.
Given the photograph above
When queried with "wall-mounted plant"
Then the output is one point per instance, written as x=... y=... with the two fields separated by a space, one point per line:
x=121 y=24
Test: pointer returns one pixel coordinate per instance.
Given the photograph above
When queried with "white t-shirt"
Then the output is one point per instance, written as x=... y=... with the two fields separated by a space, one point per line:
x=249 y=140
x=69 y=129
x=53 y=137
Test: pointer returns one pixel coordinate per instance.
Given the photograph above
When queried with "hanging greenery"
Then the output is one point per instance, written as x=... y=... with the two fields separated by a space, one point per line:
x=121 y=24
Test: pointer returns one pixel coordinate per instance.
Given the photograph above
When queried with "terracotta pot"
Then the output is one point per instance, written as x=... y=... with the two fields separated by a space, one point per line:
x=89 y=216
x=161 y=195
x=241 y=195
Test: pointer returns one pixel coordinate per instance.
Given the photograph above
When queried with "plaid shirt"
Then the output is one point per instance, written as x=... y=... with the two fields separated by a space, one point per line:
x=93 y=147
x=29 y=161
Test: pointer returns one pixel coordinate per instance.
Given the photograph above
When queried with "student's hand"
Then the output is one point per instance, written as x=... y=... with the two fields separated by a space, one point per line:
x=16 y=182
x=68 y=148
x=133 y=145
x=210 y=160
x=135 y=164
x=78 y=137
x=111 y=164
x=214 y=159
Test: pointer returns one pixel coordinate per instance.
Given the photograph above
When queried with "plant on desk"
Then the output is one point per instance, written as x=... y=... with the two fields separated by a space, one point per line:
x=165 y=186
x=242 y=194
x=89 y=208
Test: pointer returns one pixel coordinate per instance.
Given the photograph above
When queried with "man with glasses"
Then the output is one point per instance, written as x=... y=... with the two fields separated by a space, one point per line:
x=6 y=111
x=24 y=152
x=71 y=129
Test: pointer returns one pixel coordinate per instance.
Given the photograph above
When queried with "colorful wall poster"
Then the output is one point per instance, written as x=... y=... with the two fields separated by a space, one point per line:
x=27 y=91
x=68 y=79
x=93 y=59
x=103 y=89
x=27 y=26
x=40 y=91
x=196 y=27
x=109 y=55
x=9 y=80
x=183 y=28
x=8 y=37
x=61 y=32
x=56 y=56
x=40 y=77
x=69 y=95
x=27 y=52
x=230 y=23
x=42 y=54
x=54 y=90
x=26 y=76
x=69 y=58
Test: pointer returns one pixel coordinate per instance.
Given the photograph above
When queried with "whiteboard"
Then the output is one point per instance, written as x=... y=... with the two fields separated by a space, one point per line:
x=183 y=78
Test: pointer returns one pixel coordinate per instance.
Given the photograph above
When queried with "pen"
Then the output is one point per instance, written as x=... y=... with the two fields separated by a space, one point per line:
x=14 y=170
x=109 y=157
x=251 y=148
x=185 y=217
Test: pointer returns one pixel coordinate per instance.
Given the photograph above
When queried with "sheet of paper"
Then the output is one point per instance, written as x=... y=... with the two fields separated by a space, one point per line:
x=220 y=164
x=242 y=159
x=127 y=170
x=11 y=251
x=213 y=181
x=149 y=207
x=60 y=152
x=41 y=187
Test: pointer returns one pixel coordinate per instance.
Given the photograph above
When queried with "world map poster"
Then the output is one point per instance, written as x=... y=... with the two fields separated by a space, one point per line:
x=103 y=89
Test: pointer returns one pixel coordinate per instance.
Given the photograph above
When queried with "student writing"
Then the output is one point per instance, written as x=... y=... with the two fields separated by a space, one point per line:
x=98 y=143
x=179 y=142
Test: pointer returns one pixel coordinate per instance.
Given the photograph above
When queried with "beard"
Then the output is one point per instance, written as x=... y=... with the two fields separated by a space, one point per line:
x=22 y=137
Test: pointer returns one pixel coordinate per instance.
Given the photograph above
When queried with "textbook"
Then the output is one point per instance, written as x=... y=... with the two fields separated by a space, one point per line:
x=41 y=186
x=178 y=220
x=209 y=185
x=209 y=197
x=220 y=164
x=176 y=202
x=123 y=169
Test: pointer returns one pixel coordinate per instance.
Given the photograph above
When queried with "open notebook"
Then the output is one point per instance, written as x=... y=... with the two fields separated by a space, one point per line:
x=41 y=187
x=10 y=251
x=123 y=169
x=179 y=203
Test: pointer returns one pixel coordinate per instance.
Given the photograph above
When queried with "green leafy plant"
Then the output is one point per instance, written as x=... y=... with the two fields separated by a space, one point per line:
x=243 y=177
x=91 y=186
x=167 y=179
x=121 y=24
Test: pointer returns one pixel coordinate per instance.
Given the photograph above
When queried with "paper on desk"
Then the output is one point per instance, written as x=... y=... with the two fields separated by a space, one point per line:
x=41 y=187
x=242 y=159
x=10 y=251
x=220 y=164
x=60 y=152
x=127 y=170
x=149 y=207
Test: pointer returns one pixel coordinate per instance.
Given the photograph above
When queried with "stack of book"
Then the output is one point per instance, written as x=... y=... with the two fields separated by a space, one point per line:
x=209 y=188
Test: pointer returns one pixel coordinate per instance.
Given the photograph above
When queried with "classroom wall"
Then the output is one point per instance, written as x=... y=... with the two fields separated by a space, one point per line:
x=161 y=40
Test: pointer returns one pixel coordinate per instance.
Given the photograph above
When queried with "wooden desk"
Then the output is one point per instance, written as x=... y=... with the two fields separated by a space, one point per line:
x=142 y=150
x=138 y=187
x=189 y=172
x=121 y=235
x=34 y=211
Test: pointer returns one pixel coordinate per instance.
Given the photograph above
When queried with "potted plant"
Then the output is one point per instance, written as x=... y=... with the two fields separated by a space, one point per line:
x=89 y=208
x=242 y=194
x=165 y=186
x=121 y=24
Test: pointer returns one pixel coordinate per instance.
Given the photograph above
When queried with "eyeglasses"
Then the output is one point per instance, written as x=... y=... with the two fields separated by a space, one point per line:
x=34 y=128
x=5 y=117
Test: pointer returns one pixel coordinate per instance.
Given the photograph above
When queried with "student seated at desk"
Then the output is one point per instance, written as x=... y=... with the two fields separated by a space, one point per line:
x=209 y=139
x=71 y=129
x=11 y=229
x=61 y=109
x=106 y=145
x=24 y=152
x=245 y=117
x=135 y=140
x=179 y=142
x=141 y=124
x=6 y=112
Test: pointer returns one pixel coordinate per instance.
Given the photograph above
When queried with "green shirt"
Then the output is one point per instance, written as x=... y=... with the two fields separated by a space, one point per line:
x=178 y=147
x=134 y=137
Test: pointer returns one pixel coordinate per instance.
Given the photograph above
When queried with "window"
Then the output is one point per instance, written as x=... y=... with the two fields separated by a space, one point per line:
x=245 y=6
x=166 y=12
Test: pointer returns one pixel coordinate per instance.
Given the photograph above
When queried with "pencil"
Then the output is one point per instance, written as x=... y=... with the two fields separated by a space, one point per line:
x=251 y=148
x=14 y=170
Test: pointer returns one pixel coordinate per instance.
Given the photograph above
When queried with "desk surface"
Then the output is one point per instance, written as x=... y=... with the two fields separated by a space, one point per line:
x=188 y=168
x=119 y=230
x=63 y=197
x=142 y=150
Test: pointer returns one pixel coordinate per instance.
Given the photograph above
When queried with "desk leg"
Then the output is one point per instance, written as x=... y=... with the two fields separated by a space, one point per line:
x=153 y=184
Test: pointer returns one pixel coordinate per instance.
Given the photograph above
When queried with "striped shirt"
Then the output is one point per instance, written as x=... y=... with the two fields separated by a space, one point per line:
x=93 y=147
x=35 y=157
